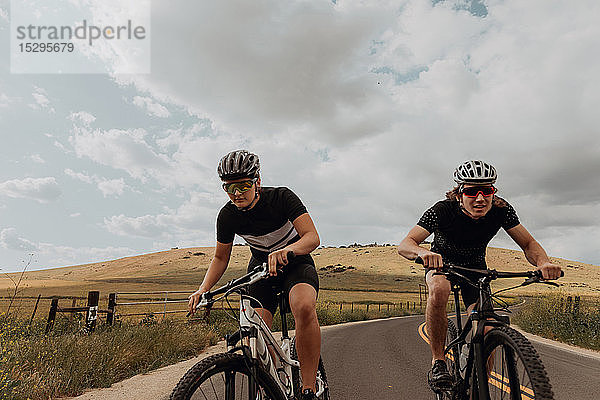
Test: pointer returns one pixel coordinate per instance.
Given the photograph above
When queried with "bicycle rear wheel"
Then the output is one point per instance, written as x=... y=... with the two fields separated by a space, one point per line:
x=226 y=377
x=452 y=359
x=515 y=370
x=321 y=384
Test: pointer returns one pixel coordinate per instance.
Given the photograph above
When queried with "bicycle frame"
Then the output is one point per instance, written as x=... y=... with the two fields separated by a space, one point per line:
x=256 y=337
x=482 y=316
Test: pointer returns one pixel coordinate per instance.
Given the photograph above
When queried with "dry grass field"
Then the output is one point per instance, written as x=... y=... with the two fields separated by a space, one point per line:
x=357 y=274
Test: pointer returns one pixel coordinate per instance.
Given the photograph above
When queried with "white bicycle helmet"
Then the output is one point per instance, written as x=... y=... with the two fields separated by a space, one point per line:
x=475 y=172
x=238 y=164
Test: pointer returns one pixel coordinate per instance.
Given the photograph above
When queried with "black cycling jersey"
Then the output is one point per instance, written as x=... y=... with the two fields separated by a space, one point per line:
x=267 y=226
x=460 y=239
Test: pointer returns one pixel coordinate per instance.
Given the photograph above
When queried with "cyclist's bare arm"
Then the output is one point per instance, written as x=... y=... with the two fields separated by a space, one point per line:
x=409 y=248
x=534 y=252
x=213 y=274
x=309 y=240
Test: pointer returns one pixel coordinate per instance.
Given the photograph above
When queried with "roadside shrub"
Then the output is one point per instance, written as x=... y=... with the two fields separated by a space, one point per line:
x=555 y=318
x=36 y=366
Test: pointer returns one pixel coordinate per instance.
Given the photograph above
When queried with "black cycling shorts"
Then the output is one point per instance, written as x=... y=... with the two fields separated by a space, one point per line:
x=300 y=270
x=469 y=293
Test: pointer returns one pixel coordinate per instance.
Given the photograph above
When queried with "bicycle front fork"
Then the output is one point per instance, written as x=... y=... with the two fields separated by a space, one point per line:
x=480 y=373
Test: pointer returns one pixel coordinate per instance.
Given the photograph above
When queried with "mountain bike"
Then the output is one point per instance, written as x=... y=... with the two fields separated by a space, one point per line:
x=486 y=358
x=256 y=366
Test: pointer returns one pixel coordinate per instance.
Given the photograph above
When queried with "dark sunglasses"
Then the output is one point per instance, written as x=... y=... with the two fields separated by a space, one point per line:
x=241 y=187
x=474 y=191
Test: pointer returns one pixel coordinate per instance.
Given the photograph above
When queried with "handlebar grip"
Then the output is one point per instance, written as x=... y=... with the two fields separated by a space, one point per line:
x=538 y=273
x=290 y=255
x=419 y=260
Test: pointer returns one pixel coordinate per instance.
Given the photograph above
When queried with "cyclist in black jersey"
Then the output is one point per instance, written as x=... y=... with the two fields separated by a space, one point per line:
x=463 y=224
x=273 y=221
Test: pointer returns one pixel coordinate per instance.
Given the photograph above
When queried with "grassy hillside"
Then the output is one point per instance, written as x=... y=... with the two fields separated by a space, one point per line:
x=364 y=273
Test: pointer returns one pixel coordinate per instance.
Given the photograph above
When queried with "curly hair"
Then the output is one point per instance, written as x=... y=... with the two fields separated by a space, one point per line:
x=454 y=194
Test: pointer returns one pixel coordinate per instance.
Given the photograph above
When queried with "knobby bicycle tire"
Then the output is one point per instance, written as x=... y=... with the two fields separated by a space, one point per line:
x=451 y=359
x=517 y=371
x=297 y=379
x=206 y=380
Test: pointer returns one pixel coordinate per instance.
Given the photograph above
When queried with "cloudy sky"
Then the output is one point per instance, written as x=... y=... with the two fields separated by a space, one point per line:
x=363 y=108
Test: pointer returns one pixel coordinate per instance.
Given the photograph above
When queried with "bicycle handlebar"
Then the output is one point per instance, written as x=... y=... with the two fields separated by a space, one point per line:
x=534 y=276
x=259 y=272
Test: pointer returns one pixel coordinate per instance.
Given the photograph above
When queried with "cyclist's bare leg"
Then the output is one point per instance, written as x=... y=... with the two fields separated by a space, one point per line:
x=268 y=318
x=303 y=300
x=435 y=313
x=265 y=315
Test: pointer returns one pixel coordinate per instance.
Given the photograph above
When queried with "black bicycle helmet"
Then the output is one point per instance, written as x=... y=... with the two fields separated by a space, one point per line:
x=238 y=164
x=475 y=172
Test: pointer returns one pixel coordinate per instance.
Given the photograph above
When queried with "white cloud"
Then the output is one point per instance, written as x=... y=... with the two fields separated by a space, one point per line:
x=79 y=175
x=277 y=66
x=58 y=255
x=75 y=215
x=4 y=100
x=111 y=187
x=152 y=107
x=36 y=158
x=184 y=157
x=108 y=187
x=121 y=149
x=41 y=100
x=192 y=217
x=10 y=239
x=42 y=190
x=85 y=117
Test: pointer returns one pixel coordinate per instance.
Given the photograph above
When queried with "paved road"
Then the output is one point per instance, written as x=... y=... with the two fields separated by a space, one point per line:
x=388 y=359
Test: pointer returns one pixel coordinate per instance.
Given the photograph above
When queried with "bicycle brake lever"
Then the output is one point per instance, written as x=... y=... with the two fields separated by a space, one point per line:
x=536 y=279
x=529 y=281
x=550 y=283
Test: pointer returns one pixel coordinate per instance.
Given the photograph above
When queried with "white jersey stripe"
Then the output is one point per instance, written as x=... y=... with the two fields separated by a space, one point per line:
x=273 y=240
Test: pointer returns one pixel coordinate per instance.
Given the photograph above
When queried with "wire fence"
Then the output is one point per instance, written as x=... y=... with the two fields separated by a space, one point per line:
x=173 y=303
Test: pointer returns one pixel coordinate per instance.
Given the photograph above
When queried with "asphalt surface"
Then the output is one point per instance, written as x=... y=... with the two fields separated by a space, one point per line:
x=388 y=359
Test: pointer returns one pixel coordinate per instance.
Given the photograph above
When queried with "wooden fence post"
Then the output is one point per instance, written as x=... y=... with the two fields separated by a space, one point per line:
x=35 y=308
x=367 y=307
x=352 y=307
x=165 y=309
x=112 y=301
x=341 y=306
x=92 y=313
x=52 y=314
x=73 y=304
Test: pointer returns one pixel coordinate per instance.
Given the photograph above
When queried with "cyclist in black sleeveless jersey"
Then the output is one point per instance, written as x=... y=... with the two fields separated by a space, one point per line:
x=273 y=221
x=463 y=224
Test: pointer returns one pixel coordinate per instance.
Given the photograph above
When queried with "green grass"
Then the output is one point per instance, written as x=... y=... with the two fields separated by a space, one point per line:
x=554 y=318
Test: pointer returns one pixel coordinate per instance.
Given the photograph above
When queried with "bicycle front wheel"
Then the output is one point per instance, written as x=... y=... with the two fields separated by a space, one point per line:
x=515 y=370
x=226 y=377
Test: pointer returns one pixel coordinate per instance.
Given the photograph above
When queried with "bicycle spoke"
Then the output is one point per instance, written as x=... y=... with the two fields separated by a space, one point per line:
x=508 y=378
